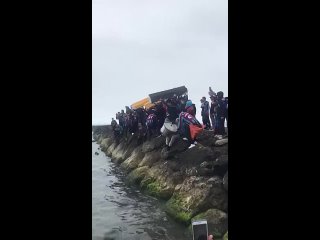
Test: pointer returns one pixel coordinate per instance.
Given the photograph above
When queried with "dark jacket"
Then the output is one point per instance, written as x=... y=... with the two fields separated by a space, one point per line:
x=205 y=109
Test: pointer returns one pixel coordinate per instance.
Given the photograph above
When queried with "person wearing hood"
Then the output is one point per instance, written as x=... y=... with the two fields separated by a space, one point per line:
x=190 y=108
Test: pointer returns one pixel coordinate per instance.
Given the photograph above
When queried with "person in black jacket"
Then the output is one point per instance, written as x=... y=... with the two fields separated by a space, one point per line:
x=205 y=113
x=213 y=107
x=221 y=114
x=172 y=110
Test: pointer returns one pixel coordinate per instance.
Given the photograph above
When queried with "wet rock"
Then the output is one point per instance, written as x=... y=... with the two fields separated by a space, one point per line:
x=136 y=176
x=133 y=161
x=217 y=221
x=153 y=144
x=96 y=153
x=119 y=152
x=150 y=158
x=110 y=149
x=193 y=180
x=105 y=143
x=161 y=180
x=196 y=195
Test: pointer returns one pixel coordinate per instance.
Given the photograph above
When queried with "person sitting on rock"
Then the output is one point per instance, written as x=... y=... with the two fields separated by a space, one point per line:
x=189 y=127
x=190 y=108
x=169 y=130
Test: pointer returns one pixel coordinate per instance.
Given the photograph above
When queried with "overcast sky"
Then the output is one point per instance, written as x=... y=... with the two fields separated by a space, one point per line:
x=145 y=46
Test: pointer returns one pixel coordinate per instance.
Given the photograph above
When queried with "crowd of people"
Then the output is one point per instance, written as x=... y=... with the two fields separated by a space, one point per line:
x=177 y=110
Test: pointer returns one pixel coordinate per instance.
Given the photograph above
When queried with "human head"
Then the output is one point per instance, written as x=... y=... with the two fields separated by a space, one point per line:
x=122 y=111
x=220 y=95
x=203 y=99
x=188 y=103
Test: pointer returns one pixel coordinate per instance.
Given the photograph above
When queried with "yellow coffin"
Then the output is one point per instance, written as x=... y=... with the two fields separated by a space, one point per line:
x=149 y=105
x=140 y=103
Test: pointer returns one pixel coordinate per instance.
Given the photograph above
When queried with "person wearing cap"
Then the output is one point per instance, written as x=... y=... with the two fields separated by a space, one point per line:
x=205 y=113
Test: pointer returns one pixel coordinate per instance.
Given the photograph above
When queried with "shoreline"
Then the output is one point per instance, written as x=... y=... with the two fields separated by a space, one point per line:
x=192 y=181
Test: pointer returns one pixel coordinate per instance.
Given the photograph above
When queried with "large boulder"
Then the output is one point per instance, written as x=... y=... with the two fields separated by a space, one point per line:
x=153 y=144
x=133 y=161
x=217 y=221
x=150 y=158
x=220 y=165
x=105 y=143
x=118 y=154
x=196 y=194
x=206 y=138
x=178 y=146
x=136 y=176
x=160 y=180
x=191 y=162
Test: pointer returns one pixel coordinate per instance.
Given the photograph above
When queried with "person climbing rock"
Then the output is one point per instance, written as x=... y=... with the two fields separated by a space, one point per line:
x=205 y=113
x=189 y=127
x=172 y=109
x=169 y=130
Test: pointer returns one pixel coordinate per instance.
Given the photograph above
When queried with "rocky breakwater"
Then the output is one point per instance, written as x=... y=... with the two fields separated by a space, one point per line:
x=192 y=181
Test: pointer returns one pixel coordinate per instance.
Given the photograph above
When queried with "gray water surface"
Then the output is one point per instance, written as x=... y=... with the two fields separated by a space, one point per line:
x=122 y=212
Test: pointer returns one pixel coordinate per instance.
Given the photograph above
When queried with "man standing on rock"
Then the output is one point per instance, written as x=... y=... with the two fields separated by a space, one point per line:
x=113 y=123
x=205 y=113
x=221 y=114
x=121 y=118
x=213 y=107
